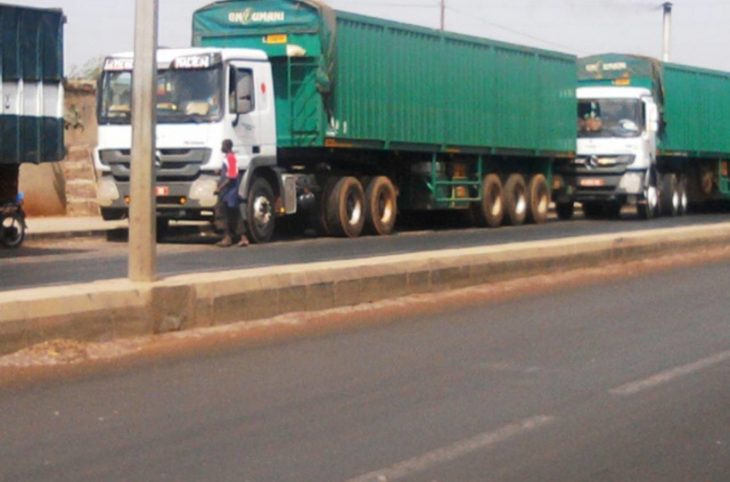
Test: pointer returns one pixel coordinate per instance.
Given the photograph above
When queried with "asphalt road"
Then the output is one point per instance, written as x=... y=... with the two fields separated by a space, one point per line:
x=621 y=381
x=75 y=261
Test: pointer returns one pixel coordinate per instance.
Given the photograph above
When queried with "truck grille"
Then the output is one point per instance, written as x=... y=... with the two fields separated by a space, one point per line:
x=172 y=164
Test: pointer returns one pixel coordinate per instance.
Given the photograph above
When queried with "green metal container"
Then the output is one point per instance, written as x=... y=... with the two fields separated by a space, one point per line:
x=346 y=80
x=31 y=70
x=695 y=102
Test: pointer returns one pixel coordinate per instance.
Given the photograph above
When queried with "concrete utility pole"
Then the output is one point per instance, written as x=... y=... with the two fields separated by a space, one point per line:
x=667 y=7
x=142 y=209
x=443 y=14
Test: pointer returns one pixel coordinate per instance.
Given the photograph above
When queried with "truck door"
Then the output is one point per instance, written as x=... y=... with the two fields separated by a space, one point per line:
x=242 y=109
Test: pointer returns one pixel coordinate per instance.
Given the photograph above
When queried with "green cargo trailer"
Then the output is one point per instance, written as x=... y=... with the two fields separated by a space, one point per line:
x=676 y=154
x=31 y=72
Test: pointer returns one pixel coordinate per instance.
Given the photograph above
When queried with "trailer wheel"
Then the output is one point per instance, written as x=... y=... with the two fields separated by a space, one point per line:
x=490 y=212
x=261 y=218
x=538 y=199
x=345 y=208
x=515 y=200
x=12 y=231
x=565 y=210
x=669 y=196
x=381 y=206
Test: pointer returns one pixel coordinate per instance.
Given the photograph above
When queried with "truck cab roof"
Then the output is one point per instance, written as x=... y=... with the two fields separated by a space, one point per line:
x=167 y=55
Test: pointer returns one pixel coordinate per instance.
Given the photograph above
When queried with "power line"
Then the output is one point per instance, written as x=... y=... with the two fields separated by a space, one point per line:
x=390 y=4
x=511 y=30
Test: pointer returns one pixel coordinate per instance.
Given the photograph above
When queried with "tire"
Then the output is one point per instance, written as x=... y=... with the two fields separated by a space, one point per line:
x=565 y=210
x=538 y=199
x=260 y=215
x=515 y=200
x=381 y=206
x=669 y=196
x=647 y=209
x=12 y=232
x=490 y=212
x=319 y=215
x=345 y=208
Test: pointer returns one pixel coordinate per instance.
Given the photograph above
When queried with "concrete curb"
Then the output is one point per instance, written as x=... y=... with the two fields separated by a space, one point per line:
x=120 y=308
x=89 y=233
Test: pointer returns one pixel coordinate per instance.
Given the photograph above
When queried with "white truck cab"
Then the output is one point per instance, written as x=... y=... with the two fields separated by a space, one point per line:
x=616 y=149
x=204 y=95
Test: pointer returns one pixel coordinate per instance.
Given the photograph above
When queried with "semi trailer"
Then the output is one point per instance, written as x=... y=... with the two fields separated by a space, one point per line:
x=31 y=103
x=651 y=134
x=344 y=121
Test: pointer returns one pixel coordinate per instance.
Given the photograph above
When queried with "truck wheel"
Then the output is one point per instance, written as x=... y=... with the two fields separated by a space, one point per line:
x=381 y=206
x=515 y=199
x=565 y=210
x=538 y=199
x=12 y=231
x=490 y=212
x=669 y=197
x=647 y=209
x=345 y=208
x=261 y=218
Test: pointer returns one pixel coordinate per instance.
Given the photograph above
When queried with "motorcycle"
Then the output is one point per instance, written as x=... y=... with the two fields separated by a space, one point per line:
x=12 y=223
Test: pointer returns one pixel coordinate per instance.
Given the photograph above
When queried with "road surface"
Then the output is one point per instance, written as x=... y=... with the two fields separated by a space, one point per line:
x=618 y=381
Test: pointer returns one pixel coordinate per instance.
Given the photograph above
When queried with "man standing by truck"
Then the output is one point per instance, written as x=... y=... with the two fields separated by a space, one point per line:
x=228 y=198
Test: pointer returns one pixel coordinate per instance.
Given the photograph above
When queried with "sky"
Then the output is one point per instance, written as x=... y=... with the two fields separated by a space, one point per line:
x=700 y=33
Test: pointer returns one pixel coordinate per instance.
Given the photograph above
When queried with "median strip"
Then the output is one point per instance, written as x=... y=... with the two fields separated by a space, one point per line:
x=106 y=310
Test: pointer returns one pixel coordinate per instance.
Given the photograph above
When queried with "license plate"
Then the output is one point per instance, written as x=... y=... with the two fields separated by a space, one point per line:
x=162 y=191
x=592 y=182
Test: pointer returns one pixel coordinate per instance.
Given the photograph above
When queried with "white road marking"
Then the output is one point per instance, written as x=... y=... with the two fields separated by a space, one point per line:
x=452 y=452
x=669 y=375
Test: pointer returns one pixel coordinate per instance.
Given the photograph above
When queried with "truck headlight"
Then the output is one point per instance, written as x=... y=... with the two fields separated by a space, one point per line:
x=106 y=192
x=203 y=191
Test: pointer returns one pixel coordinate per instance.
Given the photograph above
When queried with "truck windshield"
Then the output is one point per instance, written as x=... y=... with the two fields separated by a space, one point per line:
x=610 y=117
x=182 y=96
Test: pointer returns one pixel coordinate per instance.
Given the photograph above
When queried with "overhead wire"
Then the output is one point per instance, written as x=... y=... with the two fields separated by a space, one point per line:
x=470 y=16
x=513 y=31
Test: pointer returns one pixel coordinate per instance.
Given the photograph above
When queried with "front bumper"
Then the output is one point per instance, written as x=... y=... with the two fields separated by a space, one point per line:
x=605 y=185
x=175 y=200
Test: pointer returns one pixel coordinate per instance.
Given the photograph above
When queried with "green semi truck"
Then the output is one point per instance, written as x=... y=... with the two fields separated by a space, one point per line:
x=346 y=120
x=650 y=133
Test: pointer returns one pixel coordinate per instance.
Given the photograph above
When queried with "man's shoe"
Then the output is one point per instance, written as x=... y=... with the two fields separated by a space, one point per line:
x=243 y=242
